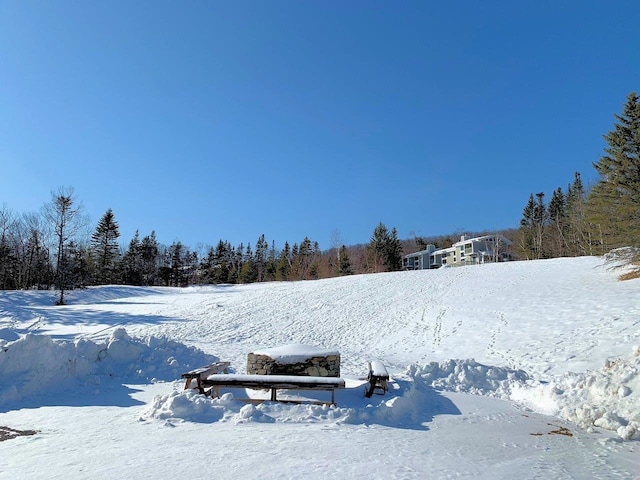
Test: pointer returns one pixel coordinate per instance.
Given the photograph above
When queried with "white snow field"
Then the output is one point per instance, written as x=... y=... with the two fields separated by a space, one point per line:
x=522 y=369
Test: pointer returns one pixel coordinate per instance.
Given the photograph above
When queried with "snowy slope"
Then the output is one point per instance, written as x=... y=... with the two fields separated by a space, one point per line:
x=527 y=367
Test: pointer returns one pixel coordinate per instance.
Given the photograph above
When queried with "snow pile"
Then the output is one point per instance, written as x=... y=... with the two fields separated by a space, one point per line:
x=608 y=398
x=34 y=363
x=411 y=402
x=469 y=376
x=189 y=405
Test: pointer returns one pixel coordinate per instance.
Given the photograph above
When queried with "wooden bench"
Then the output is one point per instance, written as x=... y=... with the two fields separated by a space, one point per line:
x=377 y=378
x=275 y=383
x=199 y=374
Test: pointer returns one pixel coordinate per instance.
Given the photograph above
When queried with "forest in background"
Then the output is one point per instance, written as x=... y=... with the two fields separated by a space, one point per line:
x=58 y=248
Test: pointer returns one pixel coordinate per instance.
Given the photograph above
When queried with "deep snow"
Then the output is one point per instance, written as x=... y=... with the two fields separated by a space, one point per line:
x=528 y=368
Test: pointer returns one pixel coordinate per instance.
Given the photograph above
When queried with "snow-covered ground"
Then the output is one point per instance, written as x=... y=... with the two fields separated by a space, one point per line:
x=525 y=368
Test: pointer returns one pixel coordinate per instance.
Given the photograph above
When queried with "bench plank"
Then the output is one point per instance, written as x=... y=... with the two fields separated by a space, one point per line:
x=274 y=383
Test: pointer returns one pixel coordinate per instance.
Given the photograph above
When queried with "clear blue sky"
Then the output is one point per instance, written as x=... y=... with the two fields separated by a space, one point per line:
x=208 y=120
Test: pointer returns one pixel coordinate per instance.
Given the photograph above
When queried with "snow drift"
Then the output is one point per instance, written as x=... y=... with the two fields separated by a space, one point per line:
x=608 y=398
x=37 y=363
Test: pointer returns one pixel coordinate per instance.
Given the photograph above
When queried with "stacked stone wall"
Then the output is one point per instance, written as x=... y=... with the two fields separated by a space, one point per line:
x=328 y=366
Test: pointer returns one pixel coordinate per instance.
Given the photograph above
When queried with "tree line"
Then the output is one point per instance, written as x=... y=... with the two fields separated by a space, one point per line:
x=57 y=248
x=590 y=221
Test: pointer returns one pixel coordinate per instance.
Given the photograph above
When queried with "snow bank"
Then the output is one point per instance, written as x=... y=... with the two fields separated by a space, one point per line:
x=469 y=376
x=411 y=403
x=608 y=398
x=34 y=363
x=189 y=405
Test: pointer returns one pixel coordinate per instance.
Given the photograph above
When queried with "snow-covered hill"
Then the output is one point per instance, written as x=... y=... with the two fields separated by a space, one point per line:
x=498 y=369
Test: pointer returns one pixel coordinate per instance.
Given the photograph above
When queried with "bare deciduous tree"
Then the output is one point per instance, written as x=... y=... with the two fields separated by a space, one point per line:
x=64 y=216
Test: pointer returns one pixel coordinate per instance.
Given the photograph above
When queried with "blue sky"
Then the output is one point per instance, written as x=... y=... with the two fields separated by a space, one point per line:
x=210 y=120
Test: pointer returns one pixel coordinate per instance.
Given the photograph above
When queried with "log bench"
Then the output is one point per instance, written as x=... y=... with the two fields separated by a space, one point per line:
x=275 y=383
x=377 y=378
x=200 y=374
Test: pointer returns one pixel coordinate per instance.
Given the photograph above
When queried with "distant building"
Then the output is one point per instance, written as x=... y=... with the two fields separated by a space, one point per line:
x=468 y=251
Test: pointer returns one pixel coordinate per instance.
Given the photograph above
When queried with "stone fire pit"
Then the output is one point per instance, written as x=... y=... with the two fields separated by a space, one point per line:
x=295 y=359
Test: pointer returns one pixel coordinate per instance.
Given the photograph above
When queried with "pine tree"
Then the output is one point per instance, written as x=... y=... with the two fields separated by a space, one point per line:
x=344 y=264
x=540 y=217
x=376 y=249
x=260 y=258
x=272 y=263
x=393 y=252
x=302 y=259
x=557 y=224
x=613 y=204
x=578 y=235
x=283 y=268
x=150 y=252
x=36 y=259
x=105 y=246
x=526 y=232
x=132 y=262
x=248 y=271
x=384 y=251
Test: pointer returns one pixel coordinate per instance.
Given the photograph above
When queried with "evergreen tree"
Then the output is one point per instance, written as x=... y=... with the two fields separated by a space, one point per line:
x=302 y=259
x=260 y=258
x=540 y=222
x=179 y=258
x=236 y=256
x=557 y=224
x=614 y=202
x=526 y=232
x=283 y=267
x=344 y=264
x=579 y=237
x=132 y=263
x=376 y=248
x=150 y=252
x=393 y=252
x=248 y=271
x=384 y=251
x=105 y=247
x=224 y=252
x=272 y=263
x=36 y=265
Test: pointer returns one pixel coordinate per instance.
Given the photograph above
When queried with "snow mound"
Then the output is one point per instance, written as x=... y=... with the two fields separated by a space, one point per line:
x=35 y=363
x=189 y=405
x=608 y=398
x=469 y=376
x=410 y=403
